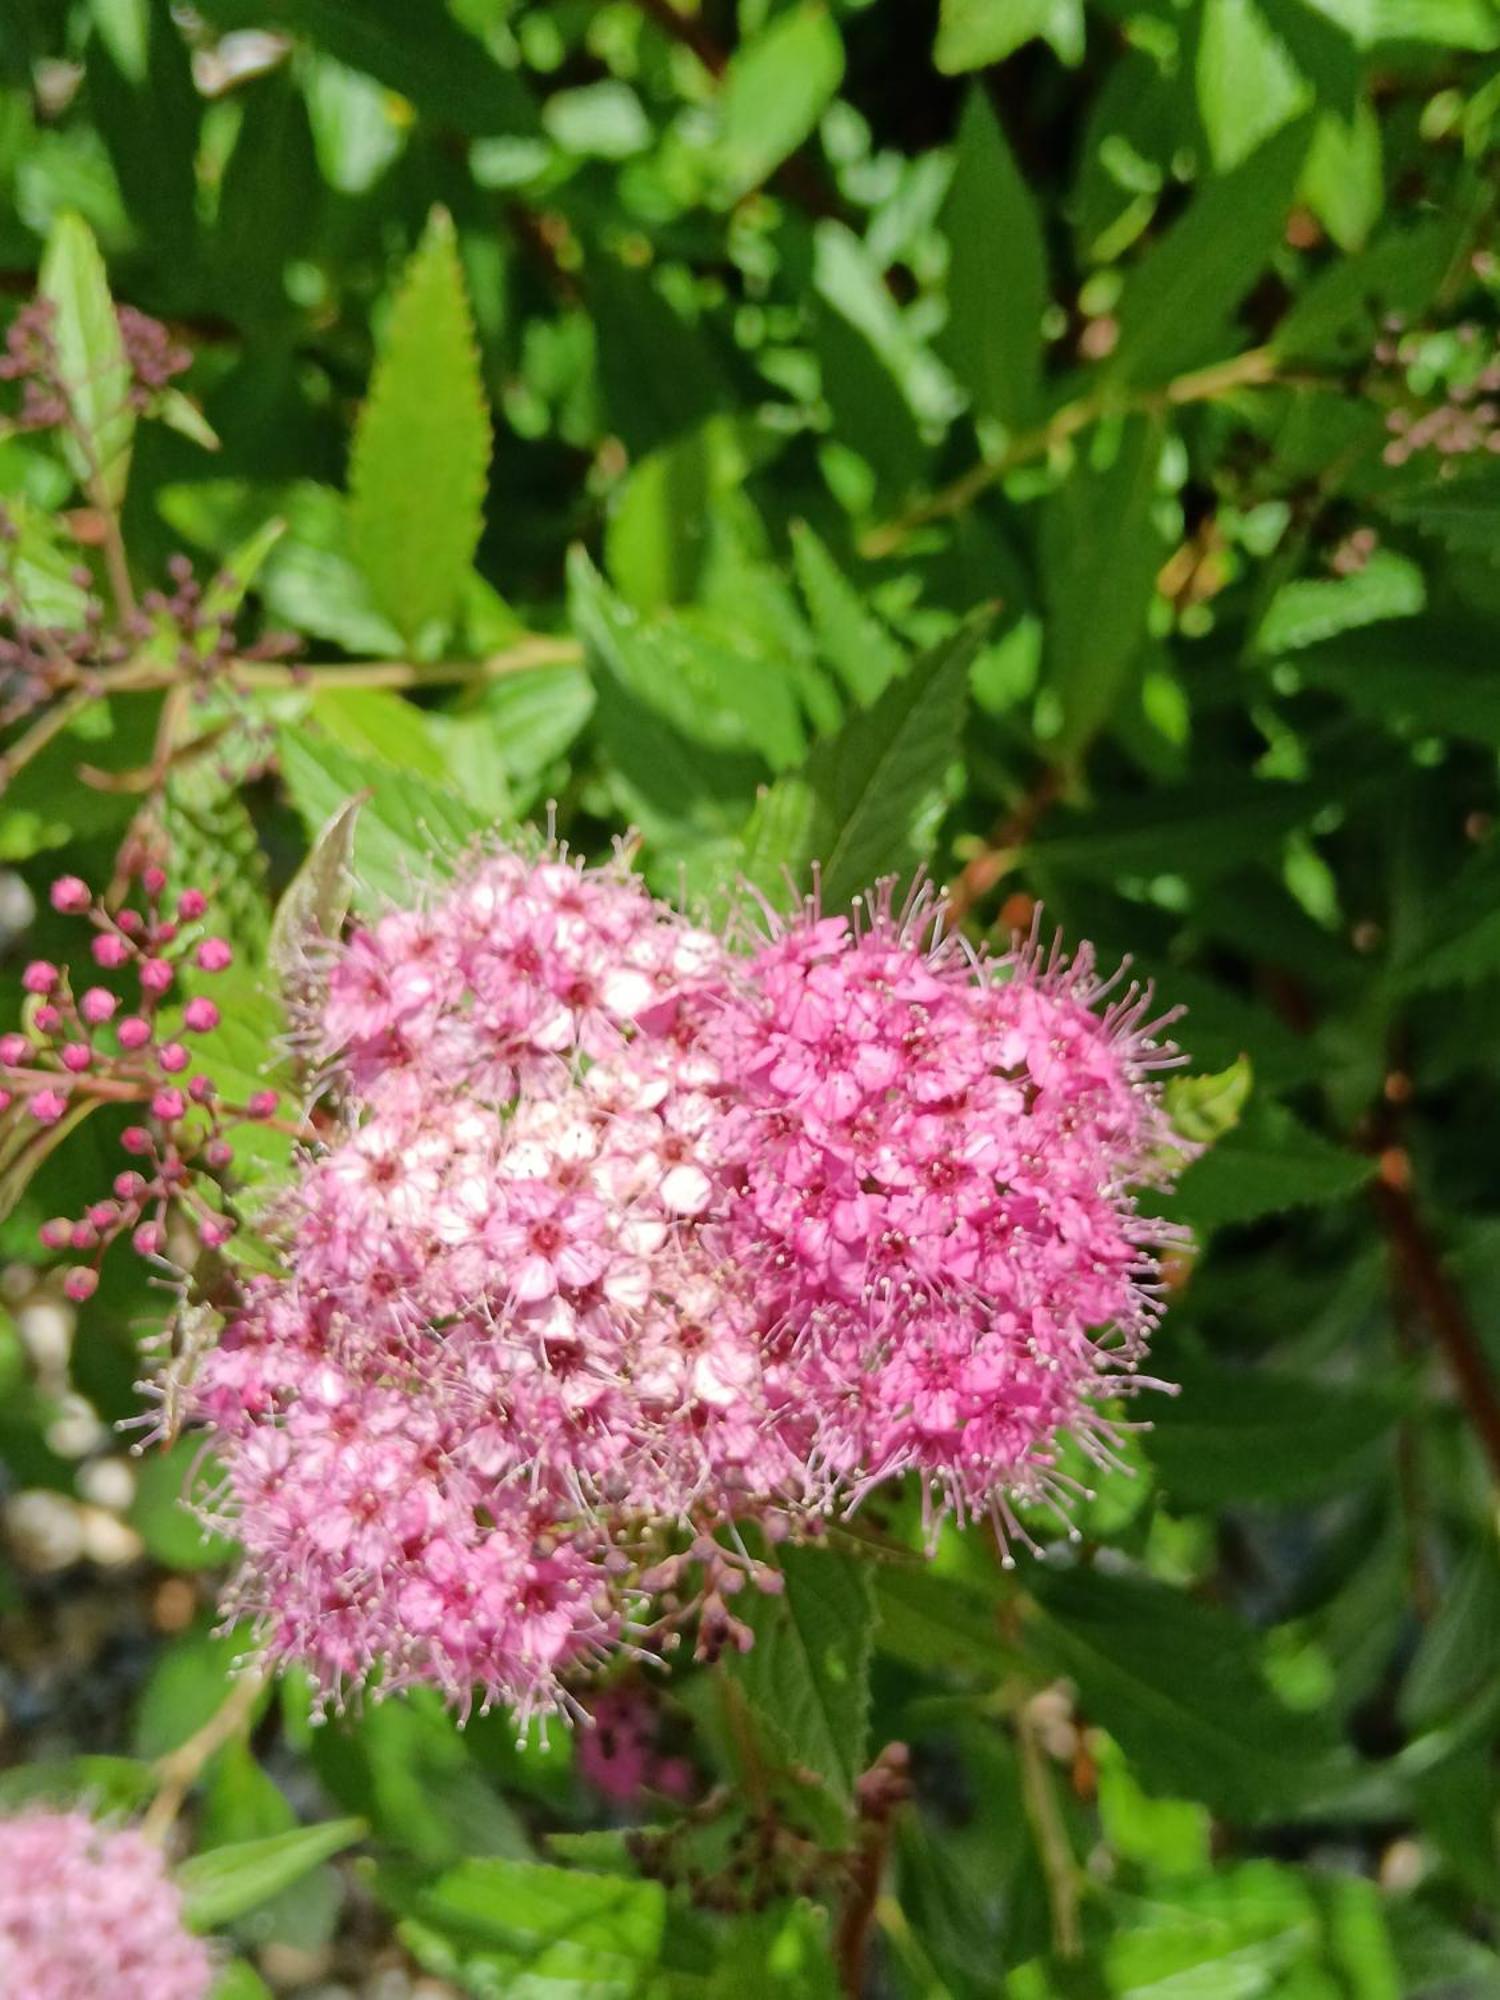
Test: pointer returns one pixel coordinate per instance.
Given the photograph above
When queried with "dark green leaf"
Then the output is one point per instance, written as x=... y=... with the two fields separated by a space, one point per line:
x=807 y=1675
x=1177 y=303
x=867 y=802
x=997 y=274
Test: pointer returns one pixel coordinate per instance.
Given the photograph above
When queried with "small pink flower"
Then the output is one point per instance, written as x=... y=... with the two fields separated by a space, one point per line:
x=262 y=1104
x=148 y=1239
x=81 y=1283
x=155 y=976
x=191 y=904
x=109 y=951
x=39 y=976
x=134 y=1032
x=173 y=1057
x=14 y=1050
x=70 y=894
x=136 y=1139
x=97 y=1006
x=201 y=1016
x=213 y=955
x=168 y=1105
x=47 y=1106
x=77 y=1057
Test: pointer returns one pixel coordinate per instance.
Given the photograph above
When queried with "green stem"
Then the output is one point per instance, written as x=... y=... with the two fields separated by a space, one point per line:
x=1252 y=369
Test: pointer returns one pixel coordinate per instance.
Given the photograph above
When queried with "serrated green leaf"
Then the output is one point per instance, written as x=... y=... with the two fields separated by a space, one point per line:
x=1313 y=609
x=1203 y=1108
x=524 y=1927
x=777 y=86
x=868 y=801
x=1460 y=510
x=407 y=825
x=1270 y=1162
x=1181 y=1687
x=94 y=373
x=807 y=1675
x=1100 y=552
x=997 y=274
x=1177 y=303
x=422 y=445
x=1237 y=1435
x=227 y=1881
x=241 y=1982
x=850 y=638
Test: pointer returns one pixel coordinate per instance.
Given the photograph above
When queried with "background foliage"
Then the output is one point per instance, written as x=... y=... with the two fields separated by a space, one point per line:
x=1054 y=442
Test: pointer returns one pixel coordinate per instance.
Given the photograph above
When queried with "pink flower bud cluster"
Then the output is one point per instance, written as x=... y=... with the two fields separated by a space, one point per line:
x=620 y=1754
x=126 y=1038
x=628 y=1237
x=87 y=1910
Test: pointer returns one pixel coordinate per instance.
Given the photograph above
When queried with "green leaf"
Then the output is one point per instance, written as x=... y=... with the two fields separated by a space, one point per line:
x=172 y=1534
x=431 y=61
x=1247 y=83
x=1270 y=1162
x=1100 y=552
x=515 y=1927
x=227 y=1881
x=1462 y=512
x=1241 y=1434
x=1204 y=1108
x=1340 y=312
x=807 y=1675
x=407 y=826
x=1454 y=1661
x=91 y=360
x=701 y=680
x=241 y=1982
x=975 y=33
x=868 y=801
x=1343 y=182
x=997 y=274
x=1176 y=307
x=850 y=638
x=777 y=86
x=1181 y=1687
x=1313 y=609
x=422 y=445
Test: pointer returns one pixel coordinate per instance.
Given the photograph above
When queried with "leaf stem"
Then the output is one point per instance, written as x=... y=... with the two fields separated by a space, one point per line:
x=180 y=1769
x=1253 y=369
x=536 y=650
x=1059 y=1870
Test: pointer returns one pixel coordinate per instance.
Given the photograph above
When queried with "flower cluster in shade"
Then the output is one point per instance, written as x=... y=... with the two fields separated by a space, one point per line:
x=127 y=1038
x=87 y=1910
x=625 y=1237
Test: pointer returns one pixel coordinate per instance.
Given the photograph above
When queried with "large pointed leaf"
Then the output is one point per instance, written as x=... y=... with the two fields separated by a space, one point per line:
x=422 y=446
x=868 y=801
x=808 y=1673
x=228 y=1881
x=1177 y=302
x=997 y=273
x=91 y=360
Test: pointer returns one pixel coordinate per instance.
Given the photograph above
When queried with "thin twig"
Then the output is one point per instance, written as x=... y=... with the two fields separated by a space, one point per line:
x=180 y=1769
x=878 y=1793
x=1420 y=1268
x=1252 y=369
x=536 y=650
x=1059 y=1869
x=41 y=733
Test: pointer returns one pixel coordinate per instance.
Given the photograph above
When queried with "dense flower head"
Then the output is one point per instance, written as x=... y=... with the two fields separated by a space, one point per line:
x=622 y=1236
x=87 y=1910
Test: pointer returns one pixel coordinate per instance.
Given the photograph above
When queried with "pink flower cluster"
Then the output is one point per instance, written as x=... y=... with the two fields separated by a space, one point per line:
x=627 y=1237
x=87 y=1910
x=82 y=1049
